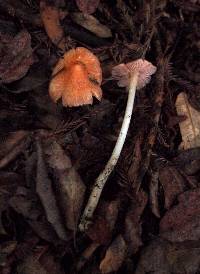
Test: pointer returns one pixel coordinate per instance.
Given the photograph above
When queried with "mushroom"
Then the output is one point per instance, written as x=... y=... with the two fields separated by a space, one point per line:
x=76 y=78
x=133 y=75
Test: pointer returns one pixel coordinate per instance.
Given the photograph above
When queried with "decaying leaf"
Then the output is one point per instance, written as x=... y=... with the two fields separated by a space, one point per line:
x=45 y=192
x=6 y=249
x=114 y=256
x=51 y=263
x=69 y=184
x=8 y=185
x=87 y=254
x=182 y=222
x=163 y=257
x=154 y=195
x=17 y=58
x=26 y=203
x=90 y=23
x=35 y=77
x=31 y=265
x=173 y=184
x=190 y=127
x=133 y=226
x=11 y=146
x=87 y=6
x=20 y=10
x=101 y=230
x=51 y=19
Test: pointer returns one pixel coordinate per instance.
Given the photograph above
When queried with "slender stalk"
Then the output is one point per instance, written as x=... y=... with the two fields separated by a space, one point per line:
x=102 y=178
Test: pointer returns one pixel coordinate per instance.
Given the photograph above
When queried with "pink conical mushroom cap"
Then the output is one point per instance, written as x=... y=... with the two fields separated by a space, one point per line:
x=123 y=72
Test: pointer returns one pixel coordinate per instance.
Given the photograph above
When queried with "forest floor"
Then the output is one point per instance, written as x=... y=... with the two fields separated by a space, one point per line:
x=148 y=216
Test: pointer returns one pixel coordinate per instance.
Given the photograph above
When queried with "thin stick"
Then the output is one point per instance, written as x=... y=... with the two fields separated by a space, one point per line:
x=102 y=178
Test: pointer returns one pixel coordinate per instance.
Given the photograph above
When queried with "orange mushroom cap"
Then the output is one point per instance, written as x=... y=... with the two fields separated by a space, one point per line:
x=76 y=78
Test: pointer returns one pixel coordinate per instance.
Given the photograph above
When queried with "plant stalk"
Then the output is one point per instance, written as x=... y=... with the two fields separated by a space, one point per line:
x=102 y=178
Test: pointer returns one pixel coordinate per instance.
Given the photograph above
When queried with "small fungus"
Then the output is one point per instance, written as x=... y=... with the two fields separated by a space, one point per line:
x=76 y=78
x=133 y=75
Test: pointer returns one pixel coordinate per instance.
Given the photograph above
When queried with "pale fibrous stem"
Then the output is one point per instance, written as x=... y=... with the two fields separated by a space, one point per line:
x=102 y=178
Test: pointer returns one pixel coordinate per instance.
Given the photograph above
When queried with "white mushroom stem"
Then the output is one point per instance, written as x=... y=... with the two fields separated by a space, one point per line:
x=102 y=178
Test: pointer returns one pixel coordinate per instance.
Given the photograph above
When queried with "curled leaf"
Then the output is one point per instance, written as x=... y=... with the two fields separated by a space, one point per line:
x=17 y=58
x=101 y=230
x=163 y=257
x=133 y=226
x=182 y=222
x=13 y=145
x=45 y=192
x=115 y=256
x=51 y=18
x=90 y=23
x=190 y=127
x=173 y=184
x=87 y=6
x=70 y=186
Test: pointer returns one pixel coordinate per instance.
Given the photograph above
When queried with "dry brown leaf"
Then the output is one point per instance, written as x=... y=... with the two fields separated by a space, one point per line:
x=182 y=222
x=114 y=256
x=51 y=18
x=27 y=205
x=51 y=263
x=190 y=128
x=87 y=6
x=31 y=265
x=90 y=23
x=163 y=257
x=173 y=184
x=17 y=58
x=86 y=255
x=45 y=192
x=70 y=186
x=8 y=185
x=11 y=146
x=6 y=248
x=154 y=195
x=133 y=225
x=100 y=231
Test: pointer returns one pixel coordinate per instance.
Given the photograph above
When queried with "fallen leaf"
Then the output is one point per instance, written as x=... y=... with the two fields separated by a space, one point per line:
x=190 y=128
x=45 y=192
x=105 y=218
x=87 y=6
x=17 y=58
x=8 y=185
x=154 y=188
x=35 y=77
x=31 y=265
x=133 y=226
x=86 y=255
x=12 y=145
x=69 y=184
x=90 y=23
x=114 y=256
x=173 y=184
x=163 y=257
x=26 y=203
x=18 y=9
x=99 y=231
x=192 y=168
x=182 y=222
x=6 y=249
x=51 y=18
x=51 y=263
x=23 y=250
